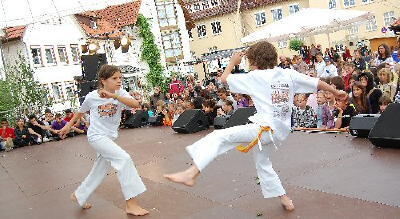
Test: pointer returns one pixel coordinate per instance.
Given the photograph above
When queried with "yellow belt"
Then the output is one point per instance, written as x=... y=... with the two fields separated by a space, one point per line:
x=248 y=147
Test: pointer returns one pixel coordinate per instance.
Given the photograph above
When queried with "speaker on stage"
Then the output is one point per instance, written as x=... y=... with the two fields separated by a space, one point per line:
x=86 y=87
x=219 y=122
x=91 y=65
x=386 y=132
x=156 y=120
x=361 y=125
x=136 y=120
x=240 y=117
x=191 y=121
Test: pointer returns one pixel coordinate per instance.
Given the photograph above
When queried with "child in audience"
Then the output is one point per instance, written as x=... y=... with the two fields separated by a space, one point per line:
x=384 y=101
x=7 y=136
x=227 y=109
x=323 y=113
x=179 y=110
x=359 y=99
x=210 y=110
x=344 y=112
x=303 y=115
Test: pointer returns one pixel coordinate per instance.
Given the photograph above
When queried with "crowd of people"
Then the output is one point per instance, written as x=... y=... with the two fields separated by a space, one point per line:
x=370 y=79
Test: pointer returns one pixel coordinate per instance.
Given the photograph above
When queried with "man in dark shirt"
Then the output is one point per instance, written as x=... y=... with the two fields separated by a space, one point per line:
x=38 y=127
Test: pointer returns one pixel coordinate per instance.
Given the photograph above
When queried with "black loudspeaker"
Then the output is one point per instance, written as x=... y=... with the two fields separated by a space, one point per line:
x=91 y=65
x=240 y=117
x=156 y=120
x=86 y=87
x=219 y=122
x=386 y=132
x=361 y=125
x=191 y=121
x=136 y=120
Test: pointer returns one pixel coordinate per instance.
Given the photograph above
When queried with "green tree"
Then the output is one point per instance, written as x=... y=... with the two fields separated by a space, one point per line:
x=151 y=54
x=20 y=92
x=296 y=44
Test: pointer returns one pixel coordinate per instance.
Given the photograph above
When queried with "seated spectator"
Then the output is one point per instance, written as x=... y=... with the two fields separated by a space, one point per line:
x=384 y=101
x=303 y=116
x=7 y=136
x=242 y=100
x=68 y=115
x=349 y=69
x=210 y=110
x=338 y=82
x=24 y=136
x=386 y=84
x=373 y=94
x=167 y=121
x=359 y=98
x=227 y=109
x=344 y=112
x=39 y=128
x=223 y=95
x=323 y=112
x=58 y=124
x=197 y=103
x=179 y=110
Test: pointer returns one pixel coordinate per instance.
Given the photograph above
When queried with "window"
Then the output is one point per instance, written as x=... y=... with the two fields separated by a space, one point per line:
x=172 y=44
x=62 y=53
x=75 y=53
x=216 y=27
x=214 y=3
x=349 y=3
x=261 y=18
x=277 y=14
x=196 y=6
x=166 y=14
x=57 y=91
x=50 y=56
x=201 y=31
x=367 y=1
x=353 y=30
x=282 y=44
x=294 y=8
x=36 y=56
x=371 y=25
x=70 y=90
x=206 y=5
x=332 y=4
x=389 y=18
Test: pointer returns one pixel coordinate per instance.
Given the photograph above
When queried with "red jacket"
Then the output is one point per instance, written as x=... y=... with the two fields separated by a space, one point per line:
x=7 y=133
x=176 y=87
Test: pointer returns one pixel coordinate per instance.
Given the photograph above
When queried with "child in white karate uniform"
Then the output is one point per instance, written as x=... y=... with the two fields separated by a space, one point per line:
x=105 y=106
x=272 y=89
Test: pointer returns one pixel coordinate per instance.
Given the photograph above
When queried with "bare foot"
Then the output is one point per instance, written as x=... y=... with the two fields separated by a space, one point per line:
x=287 y=203
x=85 y=206
x=132 y=207
x=181 y=177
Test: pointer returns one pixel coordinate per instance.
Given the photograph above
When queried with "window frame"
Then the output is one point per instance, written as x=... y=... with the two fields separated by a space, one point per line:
x=265 y=18
x=371 y=25
x=350 y=5
x=65 y=54
x=293 y=4
x=220 y=27
x=40 y=56
x=285 y=44
x=173 y=46
x=71 y=46
x=53 y=54
x=273 y=14
x=332 y=1
x=393 y=18
x=205 y=31
x=168 y=17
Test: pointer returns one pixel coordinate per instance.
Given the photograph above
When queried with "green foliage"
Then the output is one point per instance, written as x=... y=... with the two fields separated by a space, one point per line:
x=151 y=54
x=296 y=44
x=20 y=93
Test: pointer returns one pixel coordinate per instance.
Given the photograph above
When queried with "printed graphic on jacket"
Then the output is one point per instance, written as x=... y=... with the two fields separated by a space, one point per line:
x=280 y=99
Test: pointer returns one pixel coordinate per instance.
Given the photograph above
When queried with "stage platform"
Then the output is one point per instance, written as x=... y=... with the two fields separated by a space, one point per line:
x=326 y=175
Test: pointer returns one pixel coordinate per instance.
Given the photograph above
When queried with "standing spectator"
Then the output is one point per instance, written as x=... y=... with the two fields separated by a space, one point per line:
x=156 y=97
x=359 y=61
x=346 y=55
x=299 y=65
x=384 y=55
x=319 y=65
x=284 y=62
x=330 y=69
x=313 y=52
x=176 y=86
x=7 y=136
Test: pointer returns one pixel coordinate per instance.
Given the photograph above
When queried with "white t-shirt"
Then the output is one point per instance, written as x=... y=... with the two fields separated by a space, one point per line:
x=272 y=92
x=234 y=102
x=329 y=71
x=319 y=68
x=105 y=114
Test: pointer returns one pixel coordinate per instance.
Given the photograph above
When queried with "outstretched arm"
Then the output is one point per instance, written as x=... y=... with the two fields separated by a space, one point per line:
x=130 y=102
x=326 y=87
x=235 y=60
x=66 y=129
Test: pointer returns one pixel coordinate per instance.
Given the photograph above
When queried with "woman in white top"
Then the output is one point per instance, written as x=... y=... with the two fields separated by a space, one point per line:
x=384 y=55
x=105 y=106
x=272 y=89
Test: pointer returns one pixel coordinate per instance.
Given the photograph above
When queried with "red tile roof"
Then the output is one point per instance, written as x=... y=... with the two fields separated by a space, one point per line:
x=110 y=19
x=14 y=33
x=228 y=6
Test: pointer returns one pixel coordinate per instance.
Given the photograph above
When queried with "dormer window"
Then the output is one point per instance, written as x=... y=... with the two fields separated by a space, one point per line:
x=93 y=24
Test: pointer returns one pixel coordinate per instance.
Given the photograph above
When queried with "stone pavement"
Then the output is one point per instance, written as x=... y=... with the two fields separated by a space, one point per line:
x=326 y=175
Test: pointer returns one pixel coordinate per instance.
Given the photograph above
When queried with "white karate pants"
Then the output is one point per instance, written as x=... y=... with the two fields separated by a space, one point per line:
x=109 y=153
x=220 y=141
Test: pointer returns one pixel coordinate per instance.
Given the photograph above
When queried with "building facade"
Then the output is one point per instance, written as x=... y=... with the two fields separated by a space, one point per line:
x=220 y=24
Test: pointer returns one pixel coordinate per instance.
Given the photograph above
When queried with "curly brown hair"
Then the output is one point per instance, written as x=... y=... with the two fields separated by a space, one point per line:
x=262 y=55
